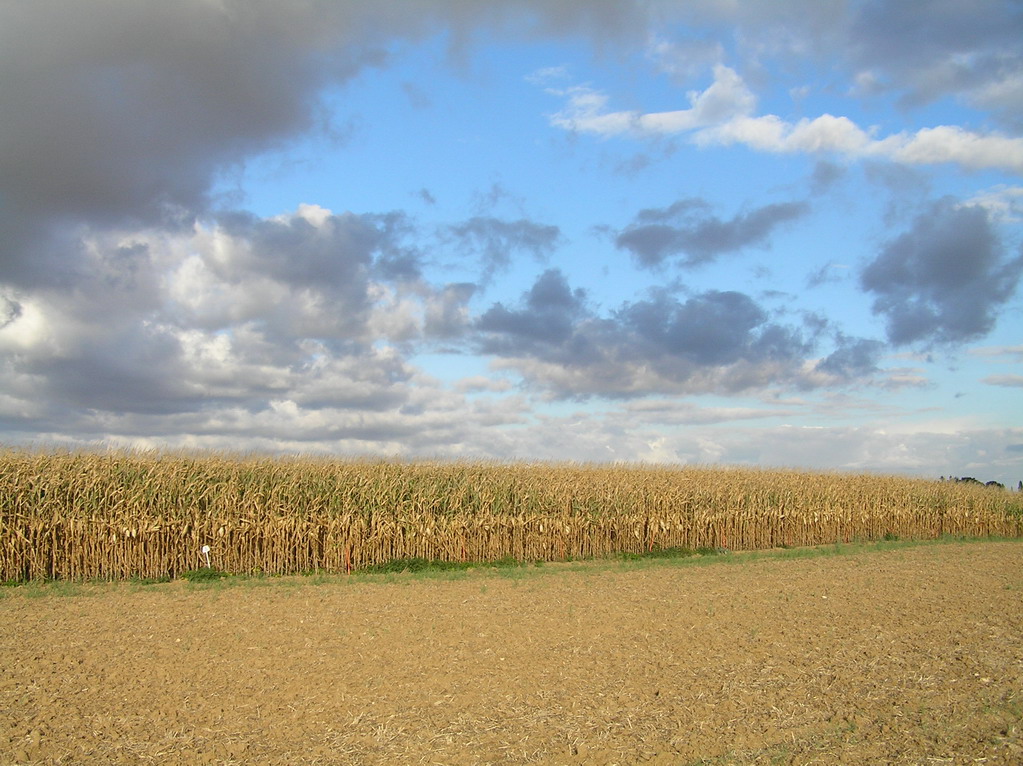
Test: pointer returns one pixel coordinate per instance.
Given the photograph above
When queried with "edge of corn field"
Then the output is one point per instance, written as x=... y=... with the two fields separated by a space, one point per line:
x=514 y=570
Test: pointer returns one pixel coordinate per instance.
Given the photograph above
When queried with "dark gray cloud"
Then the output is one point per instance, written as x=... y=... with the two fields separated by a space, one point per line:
x=853 y=358
x=932 y=48
x=714 y=341
x=126 y=113
x=136 y=372
x=121 y=112
x=547 y=318
x=712 y=328
x=687 y=228
x=945 y=279
x=494 y=240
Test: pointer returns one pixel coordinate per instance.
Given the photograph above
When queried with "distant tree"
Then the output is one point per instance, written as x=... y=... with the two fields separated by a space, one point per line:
x=972 y=480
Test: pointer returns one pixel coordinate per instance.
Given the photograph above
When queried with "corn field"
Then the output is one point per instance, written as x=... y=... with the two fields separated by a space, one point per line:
x=76 y=516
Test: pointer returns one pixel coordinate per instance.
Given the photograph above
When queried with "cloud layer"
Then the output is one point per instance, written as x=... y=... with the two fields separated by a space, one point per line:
x=139 y=304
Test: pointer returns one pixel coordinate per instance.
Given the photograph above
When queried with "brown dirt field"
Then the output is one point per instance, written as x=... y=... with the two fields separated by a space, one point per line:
x=910 y=655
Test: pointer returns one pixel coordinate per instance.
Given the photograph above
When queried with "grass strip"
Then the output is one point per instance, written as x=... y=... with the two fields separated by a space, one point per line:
x=410 y=570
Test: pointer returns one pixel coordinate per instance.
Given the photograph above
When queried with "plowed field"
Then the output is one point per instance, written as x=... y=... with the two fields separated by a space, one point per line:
x=909 y=655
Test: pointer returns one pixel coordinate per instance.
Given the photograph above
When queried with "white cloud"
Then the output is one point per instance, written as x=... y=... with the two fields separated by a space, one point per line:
x=928 y=450
x=586 y=113
x=1014 y=352
x=770 y=133
x=315 y=214
x=1012 y=381
x=1003 y=203
x=948 y=143
x=723 y=115
x=726 y=99
x=26 y=328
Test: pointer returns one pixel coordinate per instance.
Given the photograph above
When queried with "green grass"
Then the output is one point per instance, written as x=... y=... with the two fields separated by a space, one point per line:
x=206 y=574
x=414 y=565
x=668 y=553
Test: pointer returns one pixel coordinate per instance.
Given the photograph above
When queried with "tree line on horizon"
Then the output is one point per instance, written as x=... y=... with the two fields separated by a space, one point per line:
x=972 y=480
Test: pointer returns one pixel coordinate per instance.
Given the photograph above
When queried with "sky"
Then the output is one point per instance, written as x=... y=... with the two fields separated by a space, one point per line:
x=776 y=234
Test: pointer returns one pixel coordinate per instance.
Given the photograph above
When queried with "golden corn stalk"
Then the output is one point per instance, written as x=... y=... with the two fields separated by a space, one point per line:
x=82 y=515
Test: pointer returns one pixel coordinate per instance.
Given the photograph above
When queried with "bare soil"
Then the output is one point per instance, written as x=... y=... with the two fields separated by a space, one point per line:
x=912 y=655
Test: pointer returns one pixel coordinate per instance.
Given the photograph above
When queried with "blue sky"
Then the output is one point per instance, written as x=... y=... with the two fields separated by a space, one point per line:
x=777 y=234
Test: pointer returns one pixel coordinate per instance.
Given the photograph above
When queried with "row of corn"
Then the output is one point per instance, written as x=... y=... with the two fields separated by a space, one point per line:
x=80 y=515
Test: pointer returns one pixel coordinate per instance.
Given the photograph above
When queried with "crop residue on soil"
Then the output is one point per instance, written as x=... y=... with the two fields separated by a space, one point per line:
x=904 y=656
